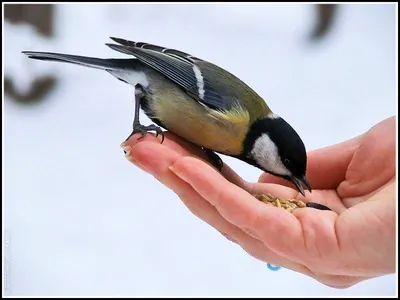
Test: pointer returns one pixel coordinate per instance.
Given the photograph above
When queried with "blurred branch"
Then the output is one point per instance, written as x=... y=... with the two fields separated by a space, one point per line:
x=39 y=88
x=39 y=16
x=326 y=14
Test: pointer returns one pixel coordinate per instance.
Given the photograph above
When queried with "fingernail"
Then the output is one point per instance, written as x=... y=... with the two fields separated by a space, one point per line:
x=176 y=172
x=126 y=147
x=128 y=155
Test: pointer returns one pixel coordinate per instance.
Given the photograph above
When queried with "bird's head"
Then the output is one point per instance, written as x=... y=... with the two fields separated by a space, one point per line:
x=274 y=146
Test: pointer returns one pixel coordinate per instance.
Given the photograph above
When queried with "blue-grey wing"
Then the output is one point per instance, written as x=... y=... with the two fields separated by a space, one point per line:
x=180 y=67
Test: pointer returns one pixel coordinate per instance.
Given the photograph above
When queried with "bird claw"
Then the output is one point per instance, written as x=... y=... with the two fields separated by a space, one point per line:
x=139 y=128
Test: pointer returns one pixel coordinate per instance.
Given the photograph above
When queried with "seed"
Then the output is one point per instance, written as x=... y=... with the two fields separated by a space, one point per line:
x=300 y=203
x=288 y=204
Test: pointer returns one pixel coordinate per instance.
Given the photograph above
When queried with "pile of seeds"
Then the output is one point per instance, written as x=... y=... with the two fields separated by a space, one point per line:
x=288 y=204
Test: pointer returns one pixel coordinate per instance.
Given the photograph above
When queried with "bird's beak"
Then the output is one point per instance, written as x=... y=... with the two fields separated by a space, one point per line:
x=299 y=182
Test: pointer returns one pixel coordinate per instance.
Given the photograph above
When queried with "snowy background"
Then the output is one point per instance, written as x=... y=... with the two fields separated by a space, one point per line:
x=80 y=220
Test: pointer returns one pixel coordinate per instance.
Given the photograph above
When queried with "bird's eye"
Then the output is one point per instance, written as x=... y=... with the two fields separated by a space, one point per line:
x=286 y=162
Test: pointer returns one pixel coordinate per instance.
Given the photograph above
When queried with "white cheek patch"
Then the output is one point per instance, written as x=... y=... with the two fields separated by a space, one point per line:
x=265 y=153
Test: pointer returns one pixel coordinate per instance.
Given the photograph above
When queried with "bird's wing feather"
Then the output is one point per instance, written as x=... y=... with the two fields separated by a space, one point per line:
x=179 y=67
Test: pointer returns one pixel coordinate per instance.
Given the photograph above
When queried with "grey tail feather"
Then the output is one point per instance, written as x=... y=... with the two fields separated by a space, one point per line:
x=91 y=62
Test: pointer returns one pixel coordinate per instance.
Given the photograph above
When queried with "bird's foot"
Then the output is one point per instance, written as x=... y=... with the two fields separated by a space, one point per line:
x=214 y=158
x=139 y=128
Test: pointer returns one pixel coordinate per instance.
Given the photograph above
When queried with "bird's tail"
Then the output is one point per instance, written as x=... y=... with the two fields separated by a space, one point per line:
x=91 y=62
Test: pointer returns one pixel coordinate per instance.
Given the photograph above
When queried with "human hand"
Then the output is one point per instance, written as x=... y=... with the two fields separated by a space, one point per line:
x=339 y=248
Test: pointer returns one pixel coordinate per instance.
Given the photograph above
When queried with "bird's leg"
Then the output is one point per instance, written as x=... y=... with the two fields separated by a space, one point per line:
x=137 y=127
x=215 y=160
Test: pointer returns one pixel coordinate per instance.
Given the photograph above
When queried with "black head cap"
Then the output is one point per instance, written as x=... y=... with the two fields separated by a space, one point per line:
x=275 y=147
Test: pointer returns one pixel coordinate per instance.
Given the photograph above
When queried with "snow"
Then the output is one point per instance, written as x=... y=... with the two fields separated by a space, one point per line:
x=82 y=221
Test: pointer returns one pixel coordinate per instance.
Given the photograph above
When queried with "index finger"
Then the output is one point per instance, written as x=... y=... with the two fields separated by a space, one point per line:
x=184 y=147
x=302 y=237
x=240 y=208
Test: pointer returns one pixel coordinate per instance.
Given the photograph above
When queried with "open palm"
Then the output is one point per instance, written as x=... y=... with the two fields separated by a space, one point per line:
x=339 y=248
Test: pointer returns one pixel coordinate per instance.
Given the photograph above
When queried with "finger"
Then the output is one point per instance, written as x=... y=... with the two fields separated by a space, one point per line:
x=160 y=169
x=373 y=164
x=142 y=154
x=244 y=211
x=208 y=213
x=186 y=148
x=249 y=214
x=187 y=192
x=326 y=167
x=171 y=141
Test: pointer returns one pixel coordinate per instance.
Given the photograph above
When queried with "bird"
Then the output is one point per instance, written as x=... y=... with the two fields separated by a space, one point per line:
x=202 y=103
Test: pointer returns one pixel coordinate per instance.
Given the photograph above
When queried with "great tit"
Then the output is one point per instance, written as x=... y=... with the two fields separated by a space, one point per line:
x=203 y=104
